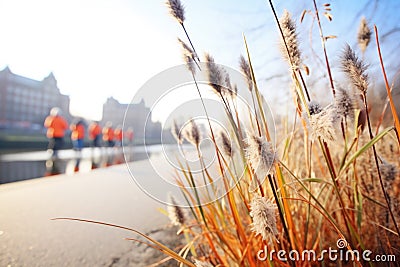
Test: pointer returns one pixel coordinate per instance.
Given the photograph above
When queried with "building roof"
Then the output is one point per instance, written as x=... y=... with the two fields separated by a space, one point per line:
x=28 y=82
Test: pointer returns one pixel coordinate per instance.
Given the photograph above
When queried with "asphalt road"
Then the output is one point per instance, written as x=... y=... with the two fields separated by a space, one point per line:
x=28 y=236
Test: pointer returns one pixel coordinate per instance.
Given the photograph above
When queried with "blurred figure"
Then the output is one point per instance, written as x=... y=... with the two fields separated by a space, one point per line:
x=56 y=126
x=94 y=134
x=78 y=134
x=118 y=136
x=77 y=137
x=129 y=136
x=95 y=142
x=108 y=134
x=129 y=139
x=118 y=156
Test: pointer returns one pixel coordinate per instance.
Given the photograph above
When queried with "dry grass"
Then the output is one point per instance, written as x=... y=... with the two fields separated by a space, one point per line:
x=330 y=180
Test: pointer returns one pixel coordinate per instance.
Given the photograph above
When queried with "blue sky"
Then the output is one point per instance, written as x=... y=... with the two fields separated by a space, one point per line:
x=102 y=48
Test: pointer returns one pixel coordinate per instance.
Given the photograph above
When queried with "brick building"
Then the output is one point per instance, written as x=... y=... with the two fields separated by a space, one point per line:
x=25 y=103
x=138 y=116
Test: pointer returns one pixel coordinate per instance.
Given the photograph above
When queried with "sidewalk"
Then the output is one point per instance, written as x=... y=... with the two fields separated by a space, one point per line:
x=29 y=238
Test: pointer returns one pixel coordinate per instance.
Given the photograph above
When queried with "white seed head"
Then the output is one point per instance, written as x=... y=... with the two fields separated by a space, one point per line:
x=175 y=213
x=260 y=154
x=324 y=123
x=292 y=53
x=364 y=35
x=355 y=69
x=264 y=220
x=345 y=103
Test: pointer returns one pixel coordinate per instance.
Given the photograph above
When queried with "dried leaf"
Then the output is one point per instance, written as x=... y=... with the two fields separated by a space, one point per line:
x=328 y=16
x=327 y=4
x=328 y=9
x=330 y=37
x=306 y=69
x=302 y=15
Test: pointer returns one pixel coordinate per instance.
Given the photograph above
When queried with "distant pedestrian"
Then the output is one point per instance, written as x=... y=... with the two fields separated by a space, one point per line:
x=129 y=135
x=56 y=126
x=78 y=134
x=95 y=134
x=118 y=136
x=108 y=134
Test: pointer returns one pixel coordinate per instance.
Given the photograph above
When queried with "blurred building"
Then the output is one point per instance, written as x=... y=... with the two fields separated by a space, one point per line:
x=25 y=103
x=135 y=115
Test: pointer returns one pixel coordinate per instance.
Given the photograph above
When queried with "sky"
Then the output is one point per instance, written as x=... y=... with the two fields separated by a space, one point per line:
x=102 y=48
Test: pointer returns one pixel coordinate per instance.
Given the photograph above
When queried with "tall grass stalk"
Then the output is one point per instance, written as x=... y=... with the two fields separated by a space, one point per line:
x=303 y=187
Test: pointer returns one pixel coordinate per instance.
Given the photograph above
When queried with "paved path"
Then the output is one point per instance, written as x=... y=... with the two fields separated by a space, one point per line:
x=29 y=238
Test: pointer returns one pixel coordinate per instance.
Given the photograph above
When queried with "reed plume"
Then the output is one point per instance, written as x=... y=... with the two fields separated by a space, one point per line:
x=289 y=44
x=324 y=123
x=228 y=89
x=345 y=103
x=175 y=213
x=245 y=68
x=364 y=35
x=264 y=220
x=260 y=154
x=176 y=10
x=176 y=132
x=225 y=144
x=215 y=74
x=189 y=56
x=314 y=107
x=355 y=69
x=192 y=133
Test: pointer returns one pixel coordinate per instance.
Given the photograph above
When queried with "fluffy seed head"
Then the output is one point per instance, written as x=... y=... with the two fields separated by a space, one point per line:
x=228 y=89
x=176 y=132
x=225 y=144
x=215 y=74
x=176 y=9
x=324 y=123
x=234 y=90
x=245 y=68
x=355 y=69
x=188 y=56
x=314 y=107
x=175 y=213
x=260 y=154
x=192 y=133
x=364 y=35
x=344 y=103
x=292 y=52
x=264 y=220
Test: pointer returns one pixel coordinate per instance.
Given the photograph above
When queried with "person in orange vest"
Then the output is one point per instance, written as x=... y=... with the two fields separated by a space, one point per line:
x=118 y=136
x=78 y=134
x=108 y=134
x=56 y=126
x=94 y=134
